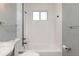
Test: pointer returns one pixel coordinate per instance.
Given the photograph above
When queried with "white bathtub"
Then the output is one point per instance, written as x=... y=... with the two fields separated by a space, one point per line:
x=7 y=47
x=49 y=53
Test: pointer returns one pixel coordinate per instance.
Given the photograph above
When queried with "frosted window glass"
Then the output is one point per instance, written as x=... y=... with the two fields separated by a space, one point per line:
x=35 y=15
x=43 y=15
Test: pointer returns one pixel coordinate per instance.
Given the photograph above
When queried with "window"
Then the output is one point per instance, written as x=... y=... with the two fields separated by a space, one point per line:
x=43 y=15
x=35 y=15
x=39 y=15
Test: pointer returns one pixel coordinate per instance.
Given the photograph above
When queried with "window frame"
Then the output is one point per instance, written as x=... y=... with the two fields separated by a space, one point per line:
x=40 y=16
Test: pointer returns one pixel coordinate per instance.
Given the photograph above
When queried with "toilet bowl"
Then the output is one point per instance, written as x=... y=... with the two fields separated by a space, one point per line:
x=29 y=53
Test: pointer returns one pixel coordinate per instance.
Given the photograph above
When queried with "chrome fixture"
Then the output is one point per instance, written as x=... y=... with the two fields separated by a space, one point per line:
x=74 y=27
x=67 y=49
x=23 y=38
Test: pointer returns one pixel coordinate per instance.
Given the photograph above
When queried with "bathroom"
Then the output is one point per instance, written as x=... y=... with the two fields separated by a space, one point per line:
x=39 y=29
x=26 y=33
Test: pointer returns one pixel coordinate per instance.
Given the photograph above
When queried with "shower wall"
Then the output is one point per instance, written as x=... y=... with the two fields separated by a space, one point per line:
x=18 y=46
x=43 y=36
x=8 y=21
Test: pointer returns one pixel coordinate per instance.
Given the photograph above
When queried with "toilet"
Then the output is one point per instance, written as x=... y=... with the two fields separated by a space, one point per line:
x=29 y=53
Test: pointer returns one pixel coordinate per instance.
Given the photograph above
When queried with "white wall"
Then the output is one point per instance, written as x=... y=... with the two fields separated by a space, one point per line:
x=8 y=18
x=48 y=35
x=59 y=27
x=18 y=46
x=19 y=31
x=70 y=37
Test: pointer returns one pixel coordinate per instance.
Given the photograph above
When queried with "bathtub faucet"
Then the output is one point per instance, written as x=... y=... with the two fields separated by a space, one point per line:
x=24 y=42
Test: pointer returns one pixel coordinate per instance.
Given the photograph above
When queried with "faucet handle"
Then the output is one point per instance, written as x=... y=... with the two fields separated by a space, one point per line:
x=23 y=38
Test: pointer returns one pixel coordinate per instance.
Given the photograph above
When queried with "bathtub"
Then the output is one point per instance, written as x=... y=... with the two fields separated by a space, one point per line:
x=7 y=47
x=50 y=53
x=41 y=53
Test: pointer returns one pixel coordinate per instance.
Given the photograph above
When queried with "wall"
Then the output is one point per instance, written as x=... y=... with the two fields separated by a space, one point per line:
x=18 y=46
x=8 y=19
x=70 y=37
x=49 y=32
